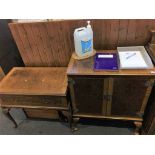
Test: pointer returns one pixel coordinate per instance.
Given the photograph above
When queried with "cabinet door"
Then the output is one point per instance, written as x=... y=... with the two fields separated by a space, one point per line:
x=88 y=95
x=130 y=96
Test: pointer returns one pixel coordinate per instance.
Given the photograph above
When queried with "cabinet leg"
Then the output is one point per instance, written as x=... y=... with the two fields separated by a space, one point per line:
x=65 y=116
x=69 y=117
x=138 y=127
x=8 y=115
x=74 y=124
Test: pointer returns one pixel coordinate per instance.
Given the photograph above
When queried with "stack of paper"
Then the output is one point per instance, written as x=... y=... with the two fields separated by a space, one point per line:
x=131 y=59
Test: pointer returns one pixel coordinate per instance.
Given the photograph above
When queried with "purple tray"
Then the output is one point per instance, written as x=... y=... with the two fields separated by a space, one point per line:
x=106 y=63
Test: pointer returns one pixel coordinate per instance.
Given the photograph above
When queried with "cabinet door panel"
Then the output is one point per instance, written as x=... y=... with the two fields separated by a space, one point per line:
x=89 y=95
x=128 y=96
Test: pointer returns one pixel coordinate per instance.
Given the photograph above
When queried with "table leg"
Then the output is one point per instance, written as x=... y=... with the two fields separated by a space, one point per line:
x=138 y=127
x=62 y=117
x=66 y=116
x=8 y=115
x=25 y=113
x=75 y=121
x=70 y=116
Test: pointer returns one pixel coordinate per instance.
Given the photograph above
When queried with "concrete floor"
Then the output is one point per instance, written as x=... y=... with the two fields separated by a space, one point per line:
x=50 y=127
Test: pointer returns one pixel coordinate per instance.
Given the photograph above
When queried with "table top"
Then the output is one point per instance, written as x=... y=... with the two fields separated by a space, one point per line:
x=35 y=81
x=85 y=67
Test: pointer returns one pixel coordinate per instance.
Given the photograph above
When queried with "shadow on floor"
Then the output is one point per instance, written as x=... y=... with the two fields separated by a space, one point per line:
x=51 y=127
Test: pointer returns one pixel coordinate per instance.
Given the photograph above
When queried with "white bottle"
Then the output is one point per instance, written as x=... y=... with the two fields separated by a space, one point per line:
x=83 y=41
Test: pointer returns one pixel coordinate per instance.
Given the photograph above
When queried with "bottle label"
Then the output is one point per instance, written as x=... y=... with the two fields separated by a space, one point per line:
x=86 y=46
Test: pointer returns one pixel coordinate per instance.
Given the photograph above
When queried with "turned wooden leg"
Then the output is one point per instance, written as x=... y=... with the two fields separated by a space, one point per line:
x=138 y=127
x=7 y=114
x=74 y=124
x=65 y=116
x=70 y=121
x=62 y=117
x=70 y=116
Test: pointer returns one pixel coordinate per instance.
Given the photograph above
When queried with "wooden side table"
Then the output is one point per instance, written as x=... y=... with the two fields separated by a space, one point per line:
x=35 y=88
x=119 y=95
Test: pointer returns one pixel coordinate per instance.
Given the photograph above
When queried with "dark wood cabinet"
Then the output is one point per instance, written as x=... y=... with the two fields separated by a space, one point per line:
x=119 y=94
x=88 y=95
x=111 y=96
x=128 y=96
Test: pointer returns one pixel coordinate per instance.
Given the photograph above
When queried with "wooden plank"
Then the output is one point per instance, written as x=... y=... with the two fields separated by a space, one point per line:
x=26 y=45
x=68 y=42
x=99 y=37
x=19 y=43
x=31 y=40
x=141 y=32
x=55 y=43
x=123 y=25
x=39 y=44
x=108 y=117
x=131 y=32
x=107 y=34
x=46 y=45
x=110 y=92
x=104 y=102
x=114 y=32
x=34 y=107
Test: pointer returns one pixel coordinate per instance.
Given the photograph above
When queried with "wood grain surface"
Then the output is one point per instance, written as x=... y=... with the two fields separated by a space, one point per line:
x=35 y=81
x=51 y=43
x=85 y=67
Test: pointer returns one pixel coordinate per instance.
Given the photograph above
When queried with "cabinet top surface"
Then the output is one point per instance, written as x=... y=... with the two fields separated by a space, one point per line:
x=35 y=81
x=85 y=67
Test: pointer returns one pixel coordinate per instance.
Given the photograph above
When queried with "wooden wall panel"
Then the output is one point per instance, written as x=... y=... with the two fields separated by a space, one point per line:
x=51 y=43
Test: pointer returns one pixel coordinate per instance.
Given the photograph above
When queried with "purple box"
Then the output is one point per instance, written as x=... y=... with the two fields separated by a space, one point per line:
x=106 y=61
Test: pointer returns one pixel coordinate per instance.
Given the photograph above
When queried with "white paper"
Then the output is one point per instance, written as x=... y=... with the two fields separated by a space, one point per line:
x=105 y=56
x=132 y=59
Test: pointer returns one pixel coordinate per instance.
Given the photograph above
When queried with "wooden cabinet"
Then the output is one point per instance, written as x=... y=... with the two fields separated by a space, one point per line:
x=111 y=96
x=88 y=95
x=119 y=94
x=128 y=97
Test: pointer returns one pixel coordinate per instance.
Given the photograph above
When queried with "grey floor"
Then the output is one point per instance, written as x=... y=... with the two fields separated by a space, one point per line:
x=49 y=127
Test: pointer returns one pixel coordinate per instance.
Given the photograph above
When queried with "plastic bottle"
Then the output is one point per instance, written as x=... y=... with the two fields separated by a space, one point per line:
x=83 y=41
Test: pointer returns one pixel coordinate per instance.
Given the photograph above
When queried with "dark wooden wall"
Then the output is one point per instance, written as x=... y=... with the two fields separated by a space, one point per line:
x=9 y=54
x=51 y=43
